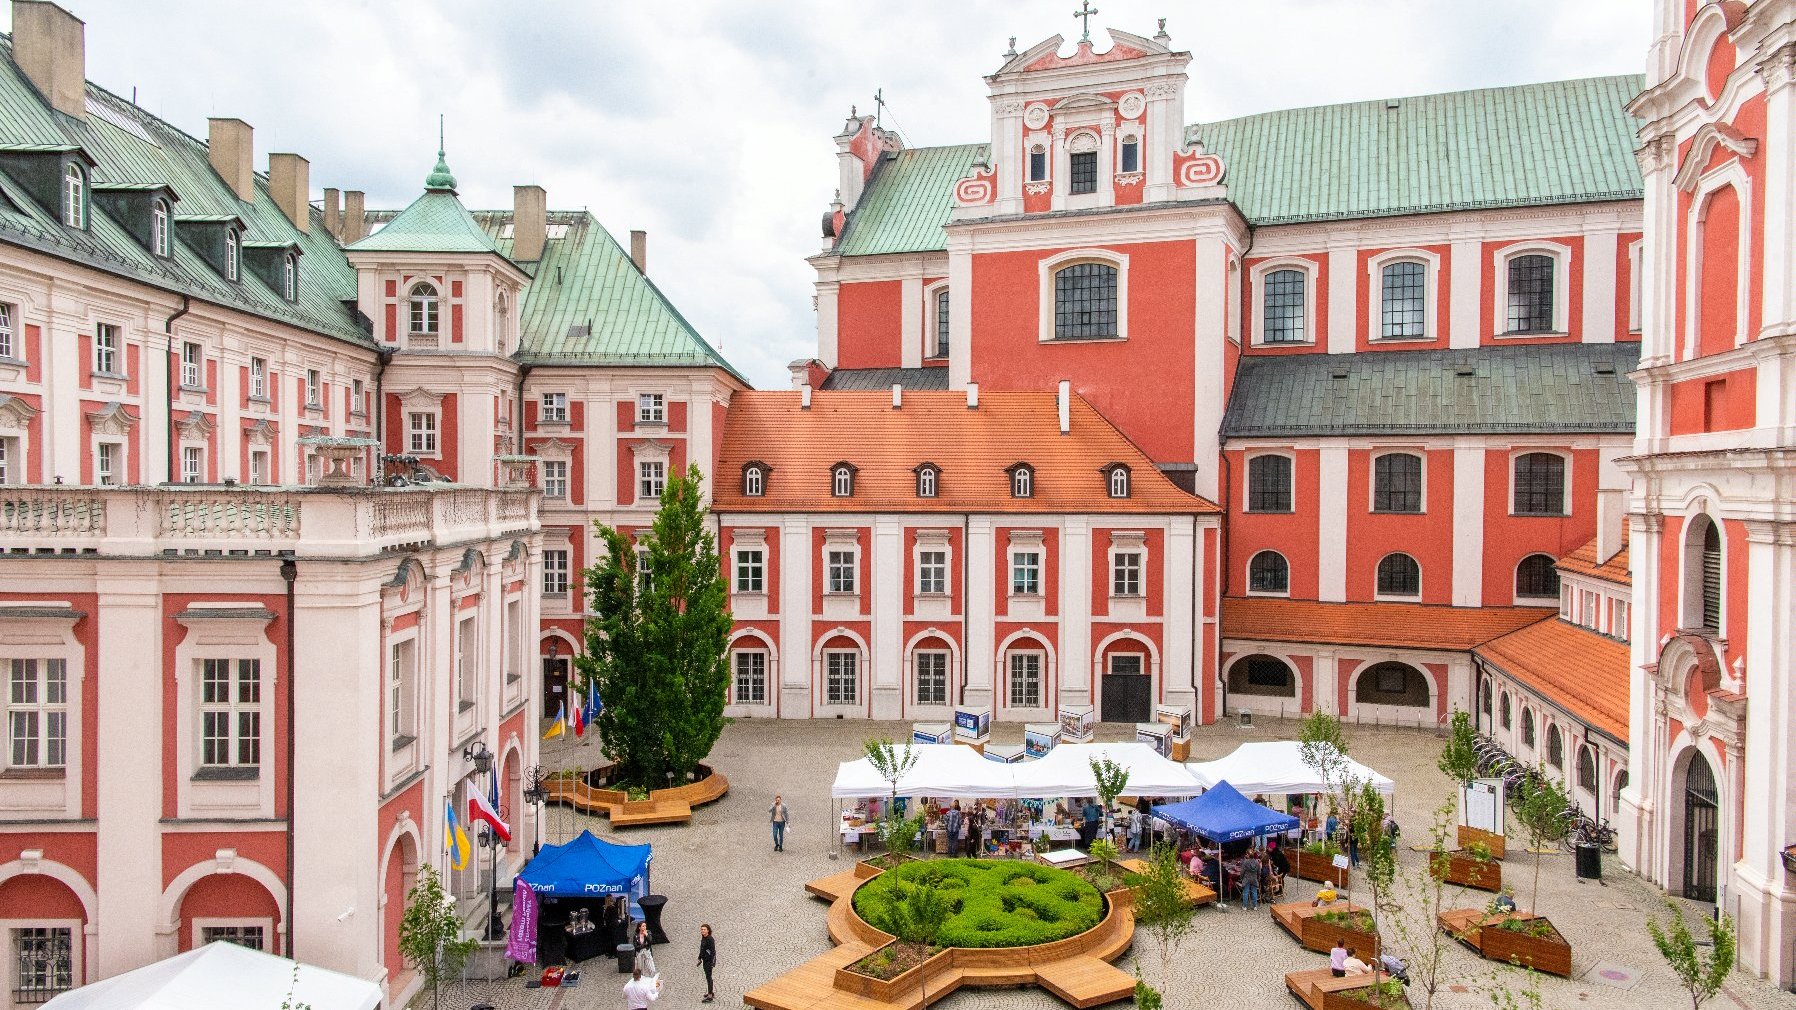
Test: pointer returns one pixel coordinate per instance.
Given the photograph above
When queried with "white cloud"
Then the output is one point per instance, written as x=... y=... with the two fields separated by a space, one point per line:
x=709 y=123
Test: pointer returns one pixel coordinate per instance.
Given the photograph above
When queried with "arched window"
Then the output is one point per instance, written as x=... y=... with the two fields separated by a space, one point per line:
x=941 y=323
x=1403 y=312
x=1392 y=683
x=928 y=481
x=1082 y=164
x=159 y=218
x=1397 y=482
x=74 y=196
x=841 y=483
x=1527 y=726
x=1539 y=484
x=1621 y=782
x=1399 y=575
x=1119 y=481
x=1022 y=481
x=1268 y=572
x=1262 y=675
x=1283 y=307
x=754 y=481
x=1555 y=748
x=1269 y=484
x=231 y=254
x=1531 y=294
x=1702 y=582
x=1537 y=576
x=290 y=277
x=424 y=309
x=1504 y=712
x=1085 y=301
x=1484 y=696
x=1586 y=769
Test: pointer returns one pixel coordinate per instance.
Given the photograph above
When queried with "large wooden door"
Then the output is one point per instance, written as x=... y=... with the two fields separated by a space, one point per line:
x=1702 y=830
x=1128 y=690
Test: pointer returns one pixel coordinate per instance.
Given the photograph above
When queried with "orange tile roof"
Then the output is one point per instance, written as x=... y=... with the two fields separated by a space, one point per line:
x=971 y=446
x=1392 y=625
x=1584 y=561
x=1582 y=672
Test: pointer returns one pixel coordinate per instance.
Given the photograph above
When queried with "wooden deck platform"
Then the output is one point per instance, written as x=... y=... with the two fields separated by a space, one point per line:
x=1311 y=985
x=1294 y=917
x=1197 y=894
x=664 y=806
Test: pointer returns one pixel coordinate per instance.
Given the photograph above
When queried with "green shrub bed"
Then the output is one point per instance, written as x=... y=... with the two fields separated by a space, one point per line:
x=993 y=903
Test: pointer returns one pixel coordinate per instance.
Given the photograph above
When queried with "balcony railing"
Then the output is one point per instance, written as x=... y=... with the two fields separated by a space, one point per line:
x=214 y=521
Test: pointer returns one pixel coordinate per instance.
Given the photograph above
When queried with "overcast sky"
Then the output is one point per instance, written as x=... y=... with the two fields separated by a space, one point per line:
x=709 y=123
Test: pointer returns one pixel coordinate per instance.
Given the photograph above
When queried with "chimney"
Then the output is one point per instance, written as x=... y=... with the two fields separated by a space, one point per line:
x=333 y=212
x=897 y=396
x=290 y=180
x=50 y=46
x=530 y=223
x=972 y=396
x=1064 y=400
x=230 y=144
x=355 y=217
x=639 y=251
x=1611 y=515
x=804 y=396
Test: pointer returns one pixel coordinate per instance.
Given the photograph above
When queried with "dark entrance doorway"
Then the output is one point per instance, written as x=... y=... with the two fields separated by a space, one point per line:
x=1128 y=690
x=1702 y=842
x=555 y=670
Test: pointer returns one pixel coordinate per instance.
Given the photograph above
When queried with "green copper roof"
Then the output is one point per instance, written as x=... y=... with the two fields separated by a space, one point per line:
x=132 y=149
x=440 y=177
x=1493 y=390
x=435 y=222
x=907 y=201
x=1563 y=142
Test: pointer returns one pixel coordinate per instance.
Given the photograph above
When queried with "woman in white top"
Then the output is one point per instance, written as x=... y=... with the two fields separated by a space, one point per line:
x=1354 y=965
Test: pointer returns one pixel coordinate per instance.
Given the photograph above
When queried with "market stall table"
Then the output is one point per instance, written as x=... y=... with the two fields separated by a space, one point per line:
x=1066 y=859
x=652 y=904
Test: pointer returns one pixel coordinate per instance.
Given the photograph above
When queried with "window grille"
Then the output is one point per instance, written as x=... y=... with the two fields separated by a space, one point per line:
x=1539 y=484
x=1269 y=572
x=1284 y=307
x=751 y=678
x=1536 y=575
x=1397 y=483
x=932 y=572
x=1025 y=680
x=941 y=323
x=1269 y=484
x=932 y=678
x=1083 y=173
x=1085 y=301
x=1531 y=294
x=1405 y=305
x=842 y=680
x=1399 y=575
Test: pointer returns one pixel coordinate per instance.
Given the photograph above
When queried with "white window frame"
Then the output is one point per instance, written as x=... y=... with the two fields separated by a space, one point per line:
x=109 y=349
x=422 y=439
x=1421 y=580
x=1618 y=619
x=1522 y=600
x=314 y=389
x=258 y=467
x=160 y=217
x=233 y=708
x=1431 y=277
x=258 y=378
x=49 y=718
x=1636 y=289
x=1247 y=482
x=552 y=409
x=1257 y=276
x=9 y=316
x=1011 y=681
x=1028 y=574
x=193 y=464
x=651 y=408
x=108 y=455
x=467 y=661
x=193 y=355
x=1118 y=482
x=935 y=584
x=74 y=195
x=750 y=576
x=1565 y=492
x=932 y=319
x=1247 y=575
x=929 y=481
x=1561 y=257
x=932 y=657
x=290 y=276
x=651 y=479
x=557 y=565
x=423 y=309
x=1022 y=481
x=1050 y=265
x=401 y=708
x=754 y=481
x=555 y=479
x=753 y=677
x=1124 y=137
x=77 y=942
x=851 y=658
x=841 y=569
x=841 y=481
x=1372 y=481
x=270 y=943
x=233 y=255
x=12 y=459
x=358 y=392
x=1121 y=559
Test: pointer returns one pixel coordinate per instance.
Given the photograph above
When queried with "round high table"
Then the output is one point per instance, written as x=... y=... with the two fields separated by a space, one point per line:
x=652 y=904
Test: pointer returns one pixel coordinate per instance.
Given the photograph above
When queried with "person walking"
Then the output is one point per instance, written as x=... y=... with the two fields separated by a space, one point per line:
x=707 y=959
x=639 y=992
x=779 y=816
x=1091 y=814
x=1250 y=881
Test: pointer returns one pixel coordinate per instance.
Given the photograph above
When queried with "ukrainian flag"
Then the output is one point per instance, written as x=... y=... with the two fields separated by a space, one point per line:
x=560 y=723
x=455 y=839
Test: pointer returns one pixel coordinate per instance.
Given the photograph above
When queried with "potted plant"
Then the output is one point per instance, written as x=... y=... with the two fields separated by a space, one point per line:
x=1471 y=866
x=1315 y=861
x=1526 y=942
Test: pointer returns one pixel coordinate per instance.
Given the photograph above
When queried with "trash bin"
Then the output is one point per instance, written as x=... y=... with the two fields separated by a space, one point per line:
x=626 y=958
x=1590 y=860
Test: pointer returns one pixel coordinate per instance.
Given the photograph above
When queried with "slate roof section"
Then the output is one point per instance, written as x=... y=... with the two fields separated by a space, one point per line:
x=1583 y=673
x=885 y=378
x=1513 y=389
x=908 y=200
x=1388 y=625
x=132 y=148
x=436 y=222
x=1533 y=144
x=973 y=448
x=1584 y=561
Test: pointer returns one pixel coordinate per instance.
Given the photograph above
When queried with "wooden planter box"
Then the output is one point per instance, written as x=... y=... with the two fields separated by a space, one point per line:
x=1492 y=841
x=1550 y=955
x=1318 y=868
x=1350 y=999
x=1468 y=872
x=1320 y=937
x=885 y=989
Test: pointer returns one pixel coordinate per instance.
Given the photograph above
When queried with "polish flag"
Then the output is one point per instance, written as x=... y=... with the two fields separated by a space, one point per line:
x=481 y=809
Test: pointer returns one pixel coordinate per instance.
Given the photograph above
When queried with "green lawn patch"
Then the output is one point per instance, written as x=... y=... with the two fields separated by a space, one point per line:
x=995 y=903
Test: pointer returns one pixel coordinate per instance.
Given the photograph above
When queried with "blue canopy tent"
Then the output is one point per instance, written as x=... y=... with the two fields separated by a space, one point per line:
x=590 y=867
x=1224 y=815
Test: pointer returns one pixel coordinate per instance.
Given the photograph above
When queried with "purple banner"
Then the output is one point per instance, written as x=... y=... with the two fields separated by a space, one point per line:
x=521 y=946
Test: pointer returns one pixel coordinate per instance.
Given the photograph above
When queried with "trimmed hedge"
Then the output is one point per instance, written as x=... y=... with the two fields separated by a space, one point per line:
x=995 y=903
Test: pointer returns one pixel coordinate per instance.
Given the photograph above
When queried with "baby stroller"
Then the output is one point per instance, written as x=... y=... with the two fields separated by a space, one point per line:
x=1395 y=967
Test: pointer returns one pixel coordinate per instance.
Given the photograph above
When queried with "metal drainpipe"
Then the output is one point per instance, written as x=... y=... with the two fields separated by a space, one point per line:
x=290 y=575
x=1222 y=576
x=517 y=441
x=964 y=517
x=382 y=356
x=169 y=376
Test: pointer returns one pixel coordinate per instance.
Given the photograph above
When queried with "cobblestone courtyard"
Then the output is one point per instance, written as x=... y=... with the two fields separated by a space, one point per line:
x=721 y=869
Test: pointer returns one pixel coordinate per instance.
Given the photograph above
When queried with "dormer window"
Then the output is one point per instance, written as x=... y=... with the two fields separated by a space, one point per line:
x=74 y=196
x=754 y=480
x=841 y=480
x=159 y=222
x=290 y=277
x=1022 y=481
x=232 y=254
x=1117 y=479
x=423 y=310
x=928 y=480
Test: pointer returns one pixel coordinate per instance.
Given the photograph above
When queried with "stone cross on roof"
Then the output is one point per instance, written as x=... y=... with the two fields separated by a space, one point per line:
x=1084 y=14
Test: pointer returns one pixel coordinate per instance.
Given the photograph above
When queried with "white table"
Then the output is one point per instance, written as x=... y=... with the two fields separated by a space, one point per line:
x=1063 y=858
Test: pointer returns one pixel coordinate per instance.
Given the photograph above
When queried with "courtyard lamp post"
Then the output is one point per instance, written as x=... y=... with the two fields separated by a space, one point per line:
x=481 y=758
x=536 y=795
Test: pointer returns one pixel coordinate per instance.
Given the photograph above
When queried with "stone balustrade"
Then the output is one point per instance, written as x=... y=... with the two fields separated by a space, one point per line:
x=212 y=521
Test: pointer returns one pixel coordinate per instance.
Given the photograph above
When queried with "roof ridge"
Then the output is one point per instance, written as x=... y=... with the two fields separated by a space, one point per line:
x=1407 y=98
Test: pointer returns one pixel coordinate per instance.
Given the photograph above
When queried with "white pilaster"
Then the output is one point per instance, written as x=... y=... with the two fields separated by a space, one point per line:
x=1343 y=303
x=1078 y=676
x=795 y=617
x=887 y=578
x=960 y=313
x=980 y=646
x=1465 y=323
x=60 y=347
x=1600 y=250
x=826 y=321
x=1468 y=526
x=910 y=318
x=601 y=452
x=128 y=798
x=1331 y=508
x=1212 y=255
x=1183 y=567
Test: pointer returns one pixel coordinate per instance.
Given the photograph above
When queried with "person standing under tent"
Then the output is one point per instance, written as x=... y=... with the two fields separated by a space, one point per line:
x=952 y=822
x=1250 y=881
x=1135 y=820
x=1091 y=816
x=1145 y=807
x=779 y=816
x=1275 y=855
x=707 y=959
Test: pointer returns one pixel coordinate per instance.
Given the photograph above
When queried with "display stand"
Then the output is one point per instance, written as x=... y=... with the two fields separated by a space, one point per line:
x=1157 y=735
x=1077 y=723
x=1008 y=753
x=973 y=726
x=931 y=733
x=1039 y=738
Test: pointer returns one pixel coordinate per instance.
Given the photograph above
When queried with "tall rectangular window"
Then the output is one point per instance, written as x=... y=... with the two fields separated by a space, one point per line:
x=193 y=464
x=1269 y=484
x=258 y=378
x=190 y=364
x=467 y=662
x=1397 y=483
x=1131 y=155
x=357 y=394
x=106 y=349
x=751 y=678
x=751 y=571
x=43 y=963
x=1404 y=309
x=1025 y=680
x=106 y=463
x=8 y=349
x=11 y=466
x=1285 y=301
x=421 y=427
x=932 y=573
x=37 y=717
x=554 y=478
x=840 y=571
x=1085 y=301
x=1125 y=574
x=258 y=466
x=1025 y=573
x=941 y=323
x=1531 y=294
x=1083 y=173
x=1539 y=484
x=651 y=478
x=554 y=408
x=932 y=678
x=555 y=573
x=842 y=681
x=314 y=388
x=651 y=408
x=402 y=686
x=231 y=713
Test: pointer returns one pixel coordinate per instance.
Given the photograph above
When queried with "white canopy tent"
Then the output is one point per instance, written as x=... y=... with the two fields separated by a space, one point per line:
x=1066 y=771
x=222 y=976
x=1276 y=766
x=944 y=771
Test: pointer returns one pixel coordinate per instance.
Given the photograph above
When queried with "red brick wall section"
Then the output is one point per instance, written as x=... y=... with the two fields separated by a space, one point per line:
x=867 y=324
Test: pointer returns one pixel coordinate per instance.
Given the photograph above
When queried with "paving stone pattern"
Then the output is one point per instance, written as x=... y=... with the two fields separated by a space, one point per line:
x=721 y=869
